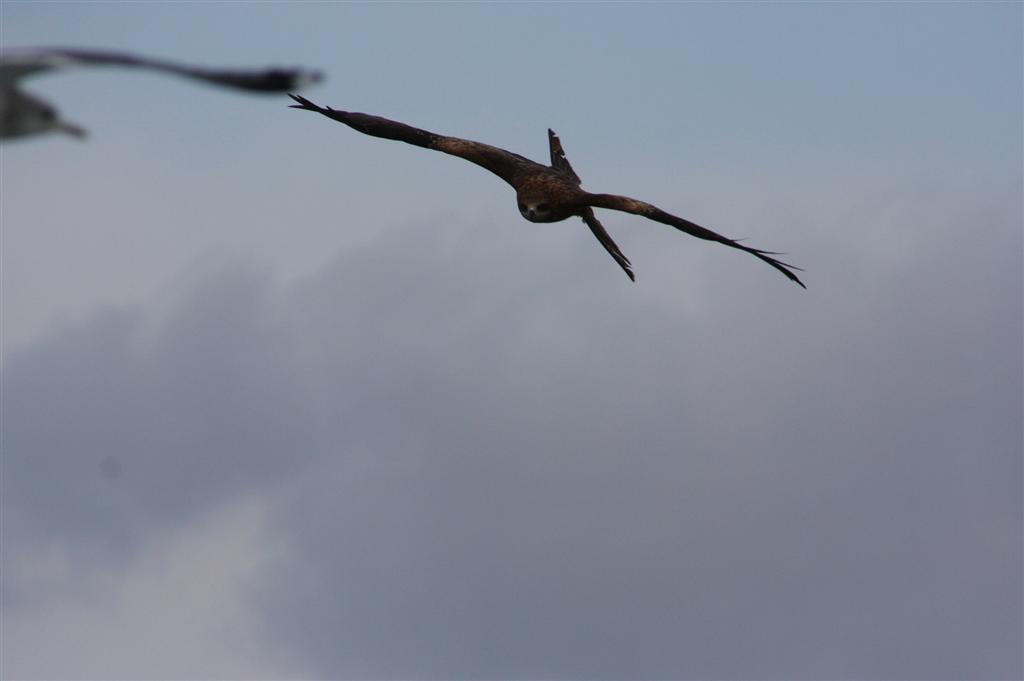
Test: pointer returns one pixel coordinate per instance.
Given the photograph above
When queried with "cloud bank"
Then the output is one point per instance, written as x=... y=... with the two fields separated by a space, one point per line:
x=463 y=452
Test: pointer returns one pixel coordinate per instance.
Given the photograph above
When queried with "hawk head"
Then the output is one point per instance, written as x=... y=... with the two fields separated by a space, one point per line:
x=535 y=210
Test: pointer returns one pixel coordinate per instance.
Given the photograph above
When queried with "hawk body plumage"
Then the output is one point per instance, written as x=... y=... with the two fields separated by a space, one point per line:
x=550 y=196
x=543 y=193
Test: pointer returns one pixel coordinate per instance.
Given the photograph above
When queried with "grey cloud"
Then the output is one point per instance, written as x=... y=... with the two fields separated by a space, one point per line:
x=127 y=422
x=493 y=461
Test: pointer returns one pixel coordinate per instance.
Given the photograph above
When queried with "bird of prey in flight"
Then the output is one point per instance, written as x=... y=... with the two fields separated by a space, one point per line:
x=22 y=114
x=544 y=193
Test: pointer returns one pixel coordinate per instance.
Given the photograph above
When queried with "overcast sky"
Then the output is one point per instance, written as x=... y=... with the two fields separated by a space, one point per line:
x=280 y=400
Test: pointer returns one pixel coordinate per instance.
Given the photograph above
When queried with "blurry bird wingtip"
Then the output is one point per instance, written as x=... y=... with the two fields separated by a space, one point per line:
x=305 y=78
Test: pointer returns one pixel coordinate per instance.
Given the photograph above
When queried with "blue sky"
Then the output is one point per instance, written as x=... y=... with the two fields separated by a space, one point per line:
x=282 y=400
x=718 y=95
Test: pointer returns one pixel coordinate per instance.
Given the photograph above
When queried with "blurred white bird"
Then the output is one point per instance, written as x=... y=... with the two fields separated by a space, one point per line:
x=22 y=114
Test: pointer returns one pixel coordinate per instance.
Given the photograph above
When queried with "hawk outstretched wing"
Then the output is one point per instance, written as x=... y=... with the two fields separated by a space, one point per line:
x=506 y=165
x=628 y=205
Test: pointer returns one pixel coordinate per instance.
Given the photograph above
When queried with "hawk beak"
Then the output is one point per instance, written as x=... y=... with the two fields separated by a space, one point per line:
x=71 y=129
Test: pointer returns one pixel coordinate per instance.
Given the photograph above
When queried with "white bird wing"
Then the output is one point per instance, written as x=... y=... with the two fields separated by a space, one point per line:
x=21 y=63
x=18 y=64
